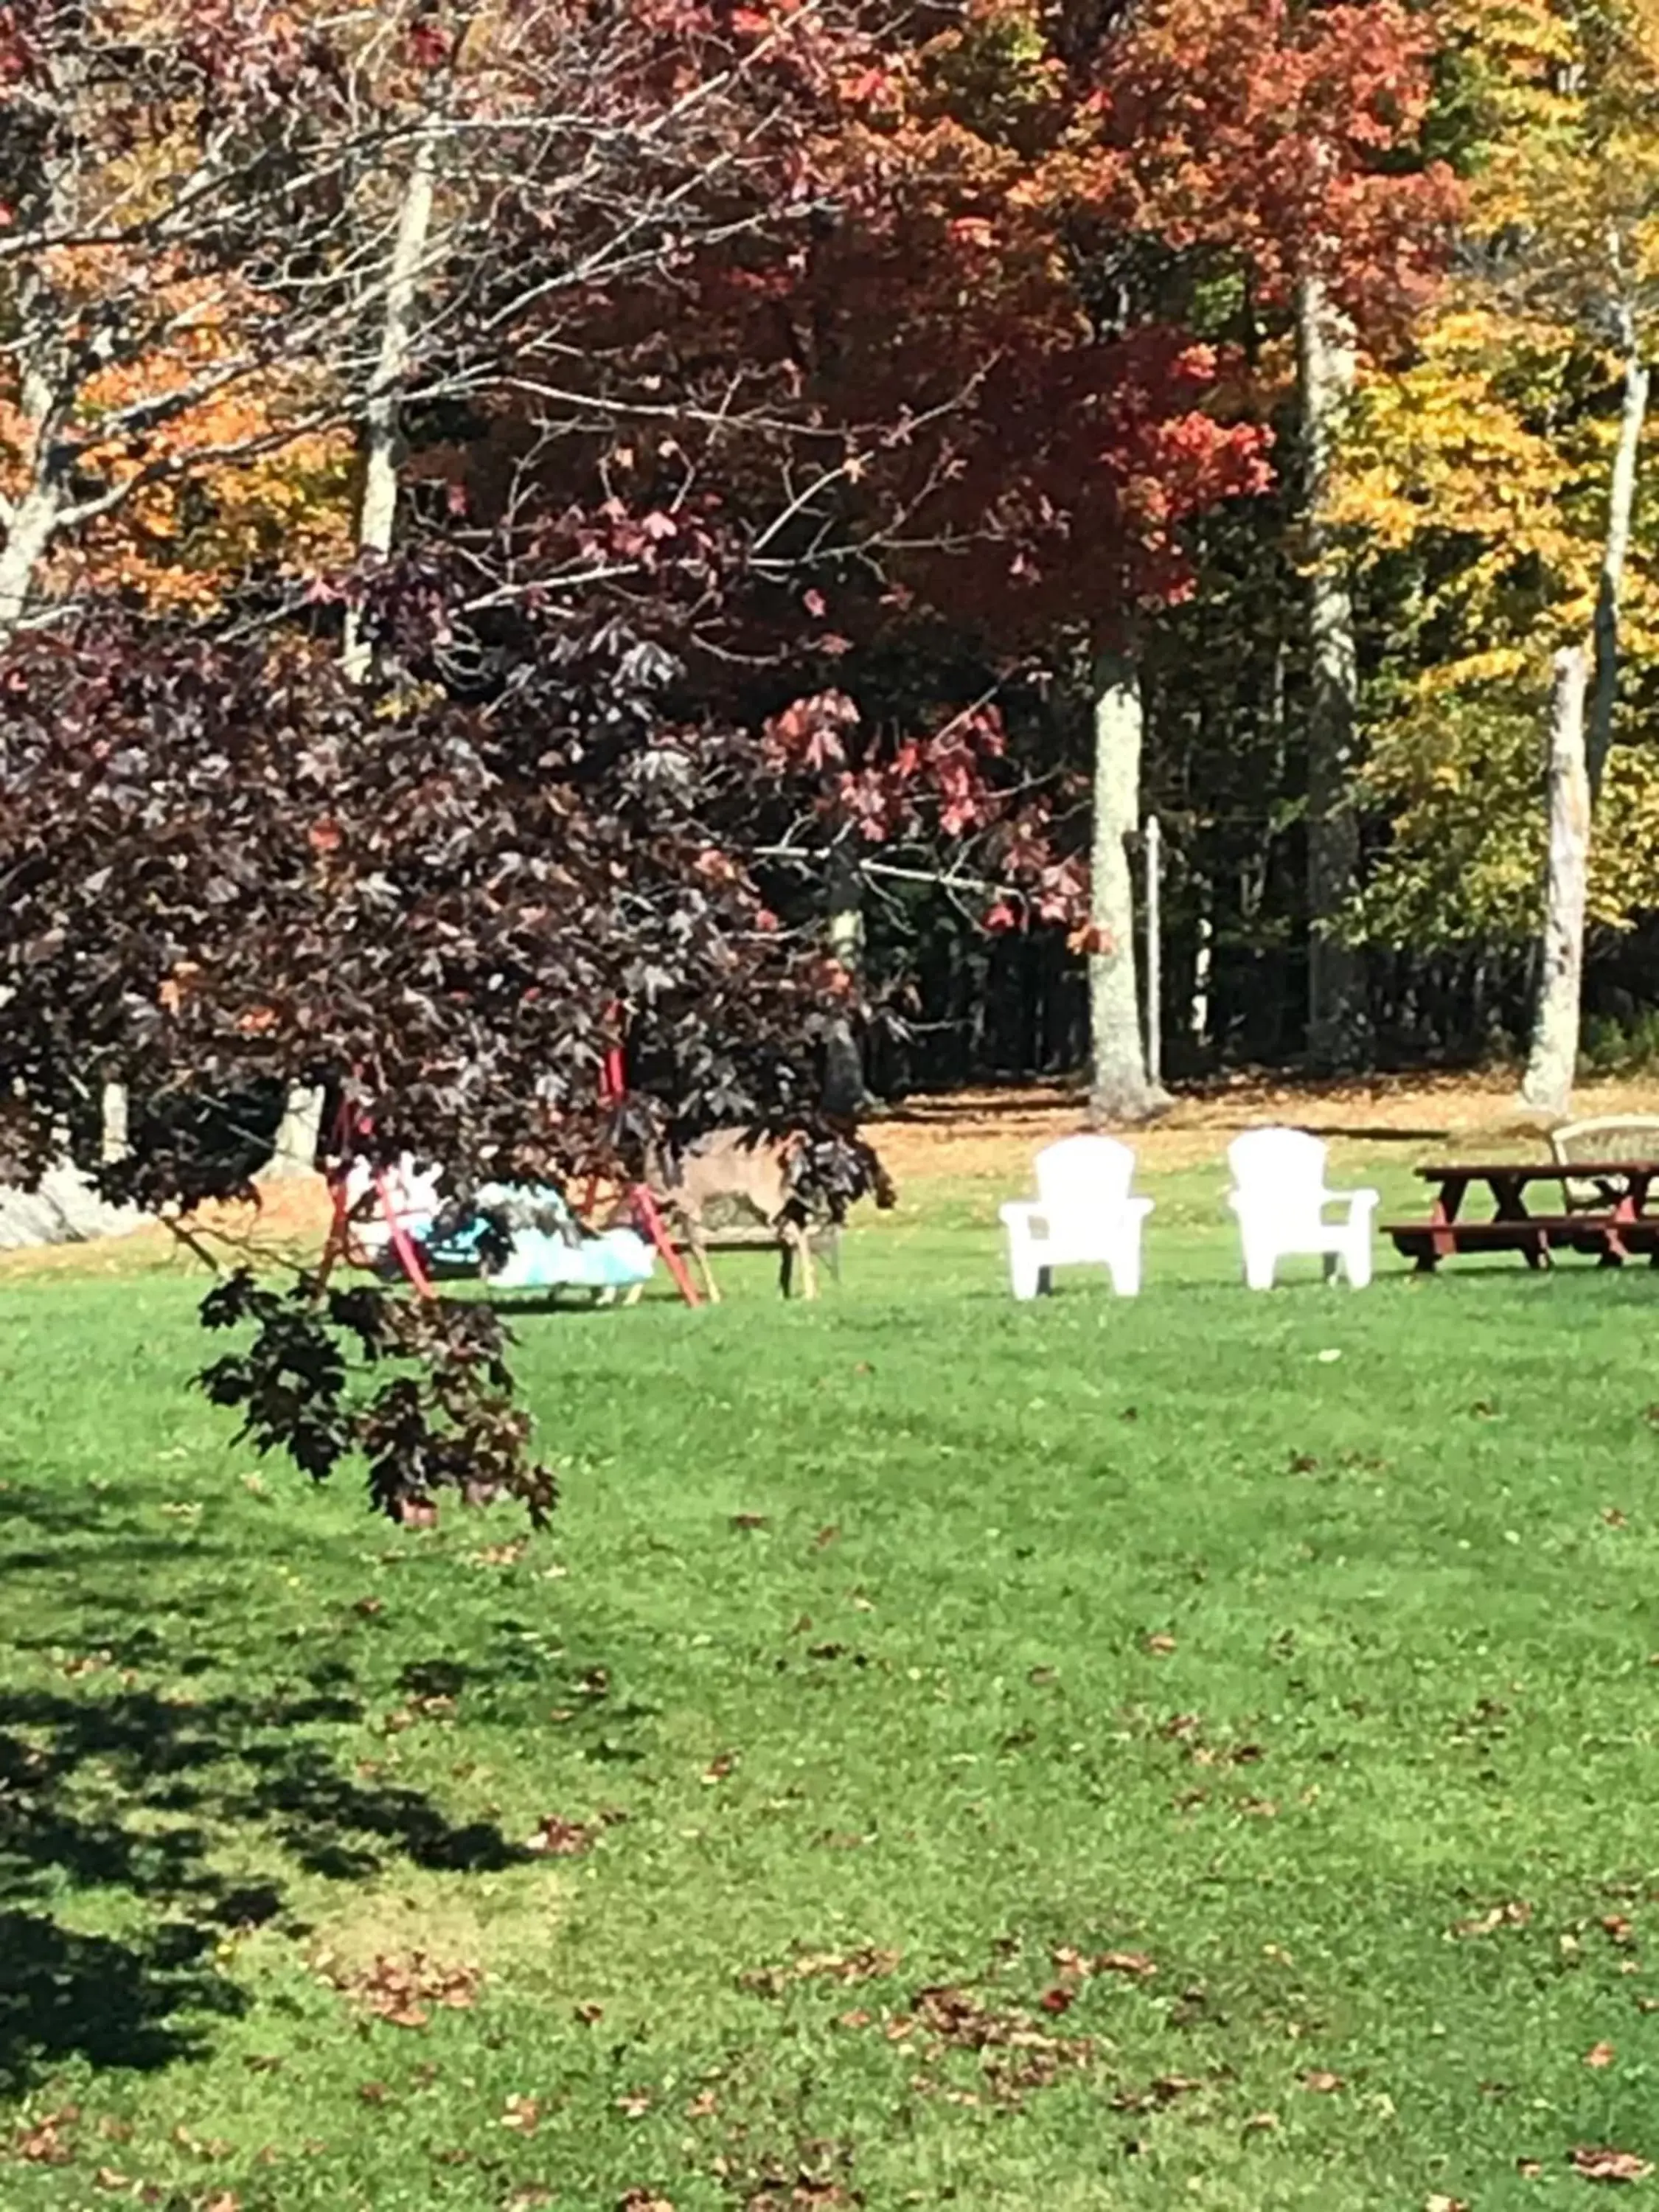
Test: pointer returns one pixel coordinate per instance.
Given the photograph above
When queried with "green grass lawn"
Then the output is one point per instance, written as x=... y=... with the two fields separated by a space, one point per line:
x=1166 y=1682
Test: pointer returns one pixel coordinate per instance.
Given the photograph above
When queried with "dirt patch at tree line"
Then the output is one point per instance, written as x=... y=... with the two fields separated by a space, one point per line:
x=993 y=1134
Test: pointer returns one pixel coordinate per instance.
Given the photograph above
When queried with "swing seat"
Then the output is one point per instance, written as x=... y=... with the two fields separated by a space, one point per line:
x=547 y=1250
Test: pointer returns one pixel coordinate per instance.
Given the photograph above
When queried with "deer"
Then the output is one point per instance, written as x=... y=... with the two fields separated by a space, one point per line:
x=792 y=1184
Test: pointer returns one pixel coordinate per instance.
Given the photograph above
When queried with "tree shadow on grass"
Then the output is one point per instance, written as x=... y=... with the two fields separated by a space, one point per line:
x=112 y=1807
x=129 y=1797
x=115 y=2002
x=138 y=1821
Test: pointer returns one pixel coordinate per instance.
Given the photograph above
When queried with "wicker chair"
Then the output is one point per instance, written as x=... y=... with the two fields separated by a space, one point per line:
x=1613 y=1137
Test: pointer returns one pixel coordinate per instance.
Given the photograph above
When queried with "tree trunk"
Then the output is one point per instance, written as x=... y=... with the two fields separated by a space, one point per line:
x=843 y=1068
x=114 y=1116
x=1119 y=1087
x=1338 y=1023
x=377 y=511
x=28 y=537
x=294 y=1153
x=1620 y=505
x=1546 y=1086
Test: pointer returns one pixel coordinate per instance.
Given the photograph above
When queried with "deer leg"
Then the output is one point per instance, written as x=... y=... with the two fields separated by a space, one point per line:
x=700 y=1254
x=786 y=1261
x=808 y=1278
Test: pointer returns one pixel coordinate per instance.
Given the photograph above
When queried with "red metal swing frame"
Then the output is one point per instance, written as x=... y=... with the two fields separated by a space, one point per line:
x=613 y=1085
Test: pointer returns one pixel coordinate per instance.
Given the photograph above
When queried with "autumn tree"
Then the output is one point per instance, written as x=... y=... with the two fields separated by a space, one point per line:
x=1490 y=484
x=1284 y=144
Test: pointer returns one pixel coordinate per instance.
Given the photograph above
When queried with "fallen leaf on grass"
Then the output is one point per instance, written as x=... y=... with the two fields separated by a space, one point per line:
x=1057 y=2000
x=703 y=2106
x=1515 y=1914
x=1163 y=2091
x=529 y=2199
x=1321 y=2080
x=589 y=2014
x=499 y=1555
x=43 y=2144
x=1259 y=1808
x=749 y=1521
x=224 y=2201
x=372 y=2092
x=1160 y=1646
x=857 y=2018
x=868 y=1965
x=1529 y=2168
x=369 y=1607
x=1261 y=2122
x=1617 y=1929
x=559 y=1839
x=1601 y=2164
x=400 y=1991
x=1440 y=2203
x=719 y=1766
x=1137 y=1963
x=1600 y=2054
x=523 y=2115
x=825 y=1537
x=641 y=2200
x=108 y=2177
x=1614 y=1517
x=636 y=2103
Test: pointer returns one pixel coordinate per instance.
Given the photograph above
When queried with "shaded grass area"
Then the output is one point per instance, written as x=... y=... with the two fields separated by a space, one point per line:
x=1160 y=1688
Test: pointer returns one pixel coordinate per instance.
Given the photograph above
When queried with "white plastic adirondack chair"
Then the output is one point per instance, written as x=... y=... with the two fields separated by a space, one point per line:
x=1082 y=1215
x=1279 y=1196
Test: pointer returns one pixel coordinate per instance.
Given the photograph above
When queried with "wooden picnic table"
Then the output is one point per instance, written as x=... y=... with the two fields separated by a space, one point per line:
x=1621 y=1227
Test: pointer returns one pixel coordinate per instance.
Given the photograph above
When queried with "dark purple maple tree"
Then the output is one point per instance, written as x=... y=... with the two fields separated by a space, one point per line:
x=227 y=868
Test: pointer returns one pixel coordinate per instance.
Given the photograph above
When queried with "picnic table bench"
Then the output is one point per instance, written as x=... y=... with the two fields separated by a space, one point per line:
x=1620 y=1227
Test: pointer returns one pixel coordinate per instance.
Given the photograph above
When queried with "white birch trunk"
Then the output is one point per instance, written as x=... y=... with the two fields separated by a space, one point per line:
x=843 y=1073
x=1338 y=1023
x=1553 y=1060
x=294 y=1152
x=377 y=511
x=29 y=534
x=1621 y=505
x=1119 y=1089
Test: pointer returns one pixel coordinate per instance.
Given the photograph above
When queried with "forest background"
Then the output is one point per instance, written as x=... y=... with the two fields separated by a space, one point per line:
x=969 y=429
